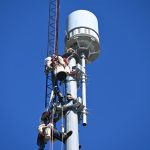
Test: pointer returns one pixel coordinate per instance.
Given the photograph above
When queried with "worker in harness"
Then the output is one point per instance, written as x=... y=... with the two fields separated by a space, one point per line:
x=58 y=65
x=47 y=131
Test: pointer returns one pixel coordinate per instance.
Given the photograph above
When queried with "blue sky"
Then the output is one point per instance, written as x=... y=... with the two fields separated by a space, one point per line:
x=118 y=84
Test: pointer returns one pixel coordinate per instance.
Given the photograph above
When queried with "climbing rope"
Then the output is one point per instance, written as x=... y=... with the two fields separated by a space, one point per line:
x=62 y=126
x=62 y=116
x=52 y=127
x=51 y=102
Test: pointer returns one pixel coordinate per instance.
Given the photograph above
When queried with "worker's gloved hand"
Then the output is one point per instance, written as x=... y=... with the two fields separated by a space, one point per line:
x=47 y=133
x=41 y=128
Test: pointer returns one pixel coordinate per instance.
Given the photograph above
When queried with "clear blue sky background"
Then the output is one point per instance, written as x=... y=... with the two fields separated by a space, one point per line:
x=118 y=84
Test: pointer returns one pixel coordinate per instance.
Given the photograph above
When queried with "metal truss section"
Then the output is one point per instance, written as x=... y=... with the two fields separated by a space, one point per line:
x=49 y=87
x=53 y=24
x=52 y=48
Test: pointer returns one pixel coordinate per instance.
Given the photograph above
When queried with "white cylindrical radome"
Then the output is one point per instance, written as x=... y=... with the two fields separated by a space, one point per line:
x=83 y=33
x=83 y=20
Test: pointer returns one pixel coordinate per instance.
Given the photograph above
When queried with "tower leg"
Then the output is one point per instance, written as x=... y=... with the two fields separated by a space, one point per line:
x=71 y=118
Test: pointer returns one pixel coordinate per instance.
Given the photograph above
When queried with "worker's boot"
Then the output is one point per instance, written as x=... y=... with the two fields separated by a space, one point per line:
x=40 y=148
x=79 y=146
x=40 y=142
x=65 y=136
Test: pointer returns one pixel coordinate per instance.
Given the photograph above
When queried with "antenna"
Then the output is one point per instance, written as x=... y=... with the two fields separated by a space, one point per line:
x=81 y=48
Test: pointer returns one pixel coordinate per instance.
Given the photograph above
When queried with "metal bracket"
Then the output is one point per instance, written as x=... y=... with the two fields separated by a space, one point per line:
x=72 y=105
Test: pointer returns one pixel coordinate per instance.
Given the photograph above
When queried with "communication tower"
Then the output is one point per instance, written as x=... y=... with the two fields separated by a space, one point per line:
x=83 y=37
x=81 y=48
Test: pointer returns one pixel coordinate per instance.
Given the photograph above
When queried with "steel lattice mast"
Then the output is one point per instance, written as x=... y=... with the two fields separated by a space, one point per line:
x=52 y=48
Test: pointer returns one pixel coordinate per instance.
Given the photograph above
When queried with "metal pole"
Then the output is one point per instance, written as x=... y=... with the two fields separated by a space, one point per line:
x=71 y=118
x=84 y=90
